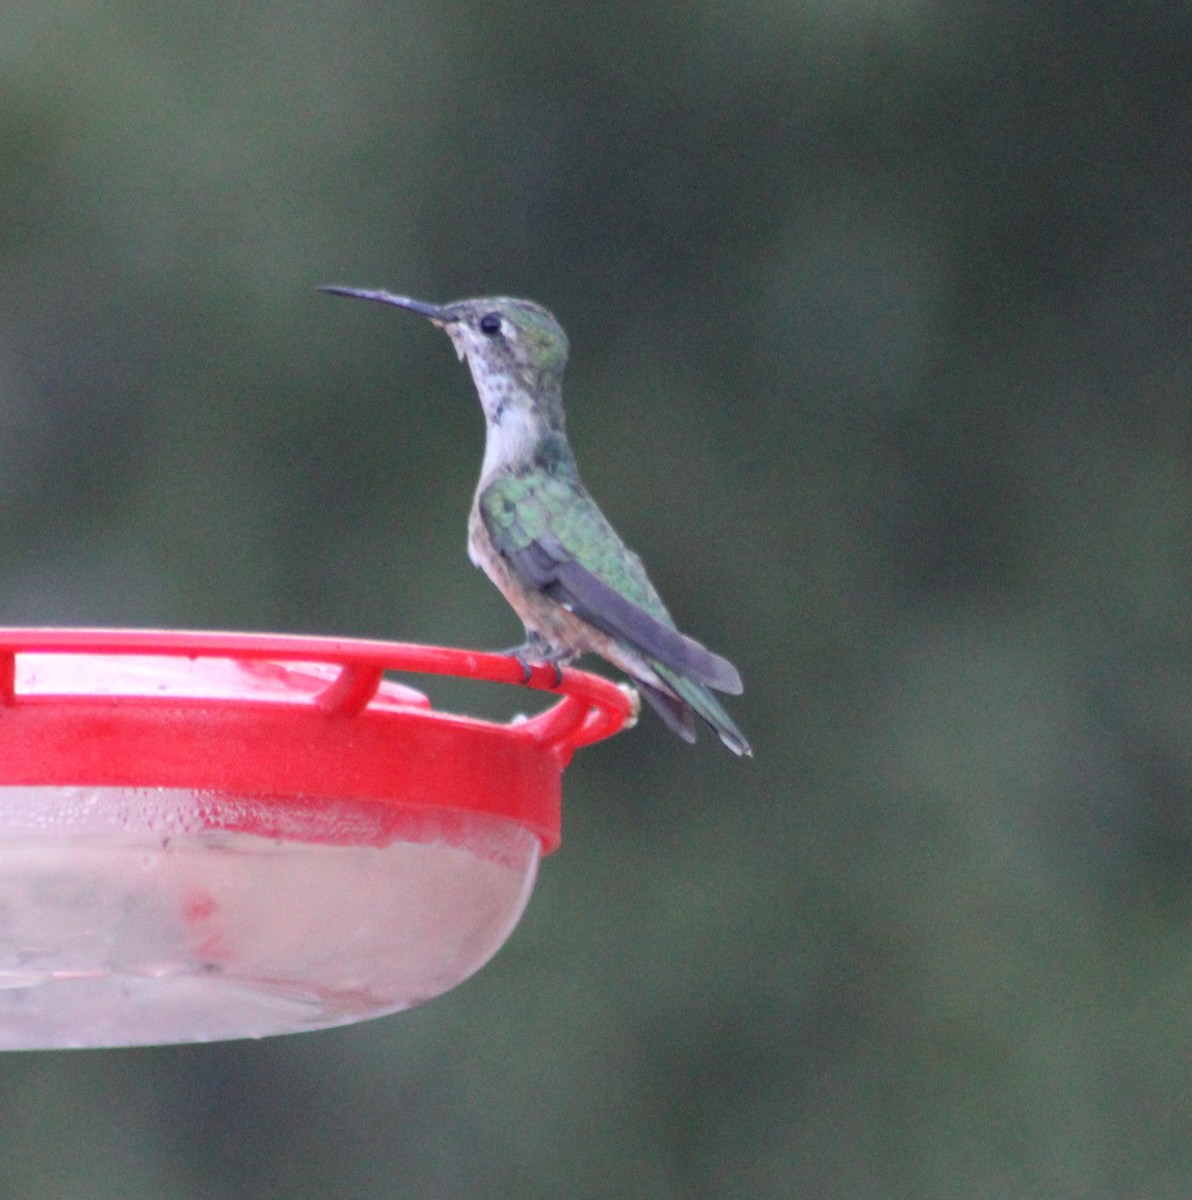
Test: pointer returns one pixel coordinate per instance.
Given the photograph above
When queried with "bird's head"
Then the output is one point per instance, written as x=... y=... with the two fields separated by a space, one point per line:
x=515 y=349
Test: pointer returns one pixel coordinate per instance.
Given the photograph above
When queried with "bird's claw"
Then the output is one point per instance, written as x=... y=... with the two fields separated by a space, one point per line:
x=530 y=655
x=521 y=660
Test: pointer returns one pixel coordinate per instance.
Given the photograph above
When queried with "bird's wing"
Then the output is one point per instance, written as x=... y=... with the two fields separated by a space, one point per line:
x=568 y=550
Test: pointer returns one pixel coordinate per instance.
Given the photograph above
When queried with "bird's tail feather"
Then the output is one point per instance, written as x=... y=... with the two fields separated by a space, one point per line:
x=684 y=696
x=674 y=712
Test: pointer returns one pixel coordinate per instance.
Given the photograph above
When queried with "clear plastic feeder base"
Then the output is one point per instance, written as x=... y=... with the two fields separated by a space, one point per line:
x=124 y=921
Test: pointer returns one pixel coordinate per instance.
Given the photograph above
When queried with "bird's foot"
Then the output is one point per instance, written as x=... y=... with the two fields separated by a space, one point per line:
x=534 y=652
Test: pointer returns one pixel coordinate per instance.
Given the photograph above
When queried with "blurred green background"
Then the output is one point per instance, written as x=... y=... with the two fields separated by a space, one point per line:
x=882 y=359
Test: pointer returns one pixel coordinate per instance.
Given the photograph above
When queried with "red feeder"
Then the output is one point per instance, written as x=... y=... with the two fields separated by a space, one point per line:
x=209 y=836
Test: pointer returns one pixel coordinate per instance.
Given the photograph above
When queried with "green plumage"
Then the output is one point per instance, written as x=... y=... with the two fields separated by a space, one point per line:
x=520 y=509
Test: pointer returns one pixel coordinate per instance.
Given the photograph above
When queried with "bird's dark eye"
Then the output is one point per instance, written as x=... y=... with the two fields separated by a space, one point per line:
x=490 y=324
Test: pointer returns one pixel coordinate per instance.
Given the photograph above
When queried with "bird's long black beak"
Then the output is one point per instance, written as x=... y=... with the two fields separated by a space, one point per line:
x=433 y=311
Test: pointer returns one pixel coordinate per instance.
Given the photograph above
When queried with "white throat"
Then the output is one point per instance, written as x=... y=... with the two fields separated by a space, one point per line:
x=511 y=430
x=510 y=435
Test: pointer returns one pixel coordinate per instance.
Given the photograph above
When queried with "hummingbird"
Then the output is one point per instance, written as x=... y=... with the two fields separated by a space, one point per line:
x=540 y=537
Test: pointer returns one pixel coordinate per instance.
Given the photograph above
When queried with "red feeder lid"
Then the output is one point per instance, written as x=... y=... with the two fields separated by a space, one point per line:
x=306 y=718
x=214 y=835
